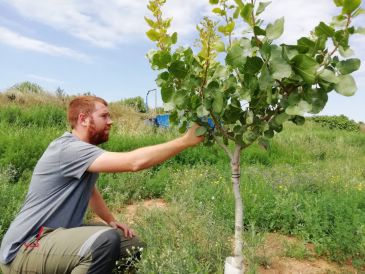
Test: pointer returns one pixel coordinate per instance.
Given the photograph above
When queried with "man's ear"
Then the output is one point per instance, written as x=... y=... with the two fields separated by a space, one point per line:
x=83 y=119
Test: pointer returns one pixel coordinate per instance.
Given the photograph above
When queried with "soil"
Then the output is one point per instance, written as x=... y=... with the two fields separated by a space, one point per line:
x=273 y=248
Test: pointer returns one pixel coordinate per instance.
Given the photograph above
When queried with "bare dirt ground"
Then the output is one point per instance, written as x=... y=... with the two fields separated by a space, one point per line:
x=272 y=250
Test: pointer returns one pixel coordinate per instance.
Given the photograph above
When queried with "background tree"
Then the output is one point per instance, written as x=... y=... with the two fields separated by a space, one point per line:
x=135 y=102
x=248 y=85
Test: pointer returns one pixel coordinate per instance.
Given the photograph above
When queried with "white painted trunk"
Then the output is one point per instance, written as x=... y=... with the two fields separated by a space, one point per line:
x=234 y=265
x=231 y=266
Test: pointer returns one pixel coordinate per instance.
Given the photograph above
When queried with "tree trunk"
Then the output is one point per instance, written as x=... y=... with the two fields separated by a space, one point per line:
x=234 y=265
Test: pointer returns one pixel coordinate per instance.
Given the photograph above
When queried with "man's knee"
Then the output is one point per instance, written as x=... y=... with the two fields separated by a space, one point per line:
x=105 y=251
x=107 y=243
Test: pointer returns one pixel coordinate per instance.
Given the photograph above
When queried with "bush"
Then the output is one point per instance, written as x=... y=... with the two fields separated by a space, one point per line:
x=135 y=102
x=337 y=122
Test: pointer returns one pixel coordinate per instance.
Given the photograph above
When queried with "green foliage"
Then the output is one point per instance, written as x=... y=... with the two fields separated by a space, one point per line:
x=135 y=102
x=40 y=116
x=337 y=122
x=259 y=81
x=28 y=87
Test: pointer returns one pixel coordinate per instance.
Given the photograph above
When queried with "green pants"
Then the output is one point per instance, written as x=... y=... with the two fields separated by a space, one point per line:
x=81 y=250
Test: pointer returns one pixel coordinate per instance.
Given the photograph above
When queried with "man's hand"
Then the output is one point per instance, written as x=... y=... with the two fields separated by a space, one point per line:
x=128 y=233
x=190 y=137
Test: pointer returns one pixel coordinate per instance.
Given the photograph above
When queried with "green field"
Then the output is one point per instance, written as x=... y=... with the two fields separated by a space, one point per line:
x=310 y=183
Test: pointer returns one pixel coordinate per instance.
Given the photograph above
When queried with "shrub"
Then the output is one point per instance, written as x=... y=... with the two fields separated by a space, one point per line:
x=337 y=122
x=135 y=102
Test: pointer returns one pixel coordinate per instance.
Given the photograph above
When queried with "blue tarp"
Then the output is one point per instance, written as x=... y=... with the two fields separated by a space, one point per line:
x=162 y=120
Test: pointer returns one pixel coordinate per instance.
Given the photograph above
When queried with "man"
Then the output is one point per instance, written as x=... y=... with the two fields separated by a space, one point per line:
x=47 y=235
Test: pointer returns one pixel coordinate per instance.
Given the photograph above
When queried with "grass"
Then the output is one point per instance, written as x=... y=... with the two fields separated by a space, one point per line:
x=310 y=184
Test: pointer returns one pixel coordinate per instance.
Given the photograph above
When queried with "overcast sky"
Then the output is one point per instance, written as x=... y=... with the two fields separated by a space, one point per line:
x=100 y=46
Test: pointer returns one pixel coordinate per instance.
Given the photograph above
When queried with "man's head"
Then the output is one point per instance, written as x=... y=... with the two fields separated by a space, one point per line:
x=90 y=116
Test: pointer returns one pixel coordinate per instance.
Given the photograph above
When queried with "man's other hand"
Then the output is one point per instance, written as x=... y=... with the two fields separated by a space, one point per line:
x=190 y=137
x=128 y=233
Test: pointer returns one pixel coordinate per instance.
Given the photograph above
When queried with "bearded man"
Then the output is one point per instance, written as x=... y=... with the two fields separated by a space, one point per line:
x=48 y=235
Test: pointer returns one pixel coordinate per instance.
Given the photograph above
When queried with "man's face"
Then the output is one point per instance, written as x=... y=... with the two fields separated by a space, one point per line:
x=99 y=124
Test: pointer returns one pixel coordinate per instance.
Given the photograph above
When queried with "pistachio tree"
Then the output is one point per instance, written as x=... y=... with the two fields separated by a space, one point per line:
x=244 y=83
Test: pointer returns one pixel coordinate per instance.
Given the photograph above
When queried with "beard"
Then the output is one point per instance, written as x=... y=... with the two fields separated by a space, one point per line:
x=97 y=137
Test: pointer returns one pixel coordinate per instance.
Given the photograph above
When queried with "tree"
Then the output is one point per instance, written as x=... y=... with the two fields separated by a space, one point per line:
x=135 y=102
x=249 y=86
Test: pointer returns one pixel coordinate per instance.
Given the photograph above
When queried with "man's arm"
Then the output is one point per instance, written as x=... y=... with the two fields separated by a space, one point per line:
x=99 y=207
x=145 y=157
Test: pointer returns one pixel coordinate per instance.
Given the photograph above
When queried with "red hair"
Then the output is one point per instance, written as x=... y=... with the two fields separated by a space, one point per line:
x=82 y=104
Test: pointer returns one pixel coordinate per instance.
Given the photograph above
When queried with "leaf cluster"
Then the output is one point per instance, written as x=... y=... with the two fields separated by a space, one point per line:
x=249 y=85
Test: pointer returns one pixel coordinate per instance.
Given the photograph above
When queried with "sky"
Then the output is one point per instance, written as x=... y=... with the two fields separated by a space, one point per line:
x=100 y=46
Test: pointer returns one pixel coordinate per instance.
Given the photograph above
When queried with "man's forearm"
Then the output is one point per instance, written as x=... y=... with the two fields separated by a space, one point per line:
x=99 y=207
x=152 y=155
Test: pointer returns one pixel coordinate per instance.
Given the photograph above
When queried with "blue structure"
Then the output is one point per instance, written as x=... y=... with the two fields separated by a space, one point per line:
x=162 y=120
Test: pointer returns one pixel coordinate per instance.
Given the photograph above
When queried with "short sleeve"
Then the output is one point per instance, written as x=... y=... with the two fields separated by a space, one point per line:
x=76 y=157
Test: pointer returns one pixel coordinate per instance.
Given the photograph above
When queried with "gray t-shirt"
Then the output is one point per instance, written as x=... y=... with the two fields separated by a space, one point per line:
x=58 y=193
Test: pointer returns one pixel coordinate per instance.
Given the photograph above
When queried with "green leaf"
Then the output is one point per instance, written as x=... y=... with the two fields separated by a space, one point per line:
x=299 y=109
x=263 y=142
x=317 y=98
x=179 y=99
x=269 y=133
x=201 y=111
x=323 y=29
x=249 y=117
x=166 y=93
x=150 y=22
x=281 y=118
x=299 y=120
x=258 y=31
x=183 y=126
x=161 y=59
x=350 y=5
x=265 y=80
x=218 y=11
x=329 y=76
x=230 y=27
x=153 y=35
x=246 y=13
x=262 y=7
x=214 y=2
x=200 y=131
x=218 y=102
x=342 y=38
x=346 y=85
x=174 y=38
x=348 y=66
x=239 y=3
x=305 y=44
x=236 y=13
x=306 y=67
x=358 y=12
x=227 y=29
x=360 y=30
x=178 y=69
x=338 y=3
x=235 y=57
x=274 y=31
x=219 y=46
x=280 y=68
x=345 y=52
x=253 y=65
